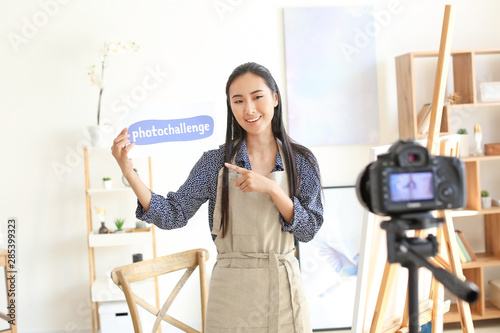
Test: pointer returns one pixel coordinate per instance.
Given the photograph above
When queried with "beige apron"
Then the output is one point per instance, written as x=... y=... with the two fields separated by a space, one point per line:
x=255 y=284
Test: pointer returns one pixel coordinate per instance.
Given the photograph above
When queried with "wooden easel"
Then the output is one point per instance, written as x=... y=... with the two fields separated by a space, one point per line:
x=446 y=232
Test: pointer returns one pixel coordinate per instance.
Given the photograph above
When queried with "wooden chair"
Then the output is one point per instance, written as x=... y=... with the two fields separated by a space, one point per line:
x=125 y=275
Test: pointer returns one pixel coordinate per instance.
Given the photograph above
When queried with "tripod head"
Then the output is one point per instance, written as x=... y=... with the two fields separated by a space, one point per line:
x=413 y=252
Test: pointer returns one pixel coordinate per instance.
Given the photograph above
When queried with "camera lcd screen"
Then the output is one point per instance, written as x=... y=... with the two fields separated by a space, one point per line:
x=411 y=186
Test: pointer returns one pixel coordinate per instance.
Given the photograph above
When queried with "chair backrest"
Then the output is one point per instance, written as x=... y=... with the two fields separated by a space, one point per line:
x=125 y=275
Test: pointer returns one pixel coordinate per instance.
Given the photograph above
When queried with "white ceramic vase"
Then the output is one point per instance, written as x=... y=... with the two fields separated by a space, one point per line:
x=97 y=137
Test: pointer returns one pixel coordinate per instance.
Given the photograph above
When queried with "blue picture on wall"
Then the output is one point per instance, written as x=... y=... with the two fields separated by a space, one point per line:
x=331 y=75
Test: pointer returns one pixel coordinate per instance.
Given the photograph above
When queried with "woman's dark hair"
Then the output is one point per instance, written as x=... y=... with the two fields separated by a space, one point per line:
x=235 y=135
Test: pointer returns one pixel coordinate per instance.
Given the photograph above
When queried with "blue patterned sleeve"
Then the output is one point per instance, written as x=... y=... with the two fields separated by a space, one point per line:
x=308 y=206
x=174 y=210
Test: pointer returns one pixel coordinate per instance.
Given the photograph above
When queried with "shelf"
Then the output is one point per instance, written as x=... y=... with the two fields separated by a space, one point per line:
x=492 y=210
x=120 y=239
x=483 y=260
x=491 y=312
x=464 y=213
x=421 y=136
x=471 y=212
x=105 y=290
x=480 y=158
x=472 y=105
x=109 y=190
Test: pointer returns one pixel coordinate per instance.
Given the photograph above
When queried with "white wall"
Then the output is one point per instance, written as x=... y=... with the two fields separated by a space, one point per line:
x=47 y=103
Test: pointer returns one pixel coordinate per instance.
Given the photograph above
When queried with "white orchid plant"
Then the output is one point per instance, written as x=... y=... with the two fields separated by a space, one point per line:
x=96 y=72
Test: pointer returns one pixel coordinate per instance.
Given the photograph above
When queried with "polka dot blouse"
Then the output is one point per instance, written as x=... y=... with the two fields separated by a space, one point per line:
x=176 y=208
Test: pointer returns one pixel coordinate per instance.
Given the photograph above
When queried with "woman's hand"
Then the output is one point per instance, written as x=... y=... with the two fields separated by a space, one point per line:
x=253 y=182
x=121 y=147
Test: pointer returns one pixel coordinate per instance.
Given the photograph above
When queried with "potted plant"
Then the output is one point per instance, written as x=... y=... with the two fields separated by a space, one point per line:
x=463 y=146
x=119 y=224
x=107 y=182
x=485 y=199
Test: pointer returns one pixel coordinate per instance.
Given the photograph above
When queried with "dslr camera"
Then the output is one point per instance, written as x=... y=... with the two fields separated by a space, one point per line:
x=408 y=179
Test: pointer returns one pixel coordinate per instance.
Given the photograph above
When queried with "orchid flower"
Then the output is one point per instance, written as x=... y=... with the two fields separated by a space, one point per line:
x=96 y=74
x=101 y=213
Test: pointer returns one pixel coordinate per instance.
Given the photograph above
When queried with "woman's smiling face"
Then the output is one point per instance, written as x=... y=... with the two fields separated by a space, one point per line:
x=252 y=103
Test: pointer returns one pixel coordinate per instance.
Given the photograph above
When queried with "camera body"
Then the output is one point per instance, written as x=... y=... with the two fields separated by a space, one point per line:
x=408 y=179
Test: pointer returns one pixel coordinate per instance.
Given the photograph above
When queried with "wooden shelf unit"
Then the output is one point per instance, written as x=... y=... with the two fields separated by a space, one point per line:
x=475 y=271
x=464 y=83
x=102 y=289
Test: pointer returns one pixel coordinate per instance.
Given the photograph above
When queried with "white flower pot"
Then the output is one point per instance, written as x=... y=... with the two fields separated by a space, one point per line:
x=486 y=202
x=107 y=184
x=464 y=145
x=97 y=138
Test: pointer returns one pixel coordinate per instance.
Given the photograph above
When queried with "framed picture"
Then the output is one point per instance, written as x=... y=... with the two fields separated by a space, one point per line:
x=329 y=262
x=331 y=80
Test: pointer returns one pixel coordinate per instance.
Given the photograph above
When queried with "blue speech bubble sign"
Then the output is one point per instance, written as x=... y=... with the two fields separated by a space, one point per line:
x=149 y=132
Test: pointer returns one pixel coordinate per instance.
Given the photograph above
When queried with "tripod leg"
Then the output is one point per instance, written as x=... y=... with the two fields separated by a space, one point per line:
x=421 y=234
x=413 y=297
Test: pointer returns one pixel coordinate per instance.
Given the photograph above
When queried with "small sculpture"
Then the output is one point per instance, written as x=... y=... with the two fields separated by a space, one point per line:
x=478 y=137
x=455 y=98
x=101 y=213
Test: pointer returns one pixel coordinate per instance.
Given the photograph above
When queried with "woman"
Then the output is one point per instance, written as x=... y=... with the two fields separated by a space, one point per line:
x=263 y=190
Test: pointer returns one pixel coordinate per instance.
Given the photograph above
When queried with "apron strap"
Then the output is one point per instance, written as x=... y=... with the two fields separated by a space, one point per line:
x=292 y=279
x=274 y=287
x=274 y=293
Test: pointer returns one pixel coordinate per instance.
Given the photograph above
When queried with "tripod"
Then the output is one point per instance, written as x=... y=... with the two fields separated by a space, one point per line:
x=412 y=253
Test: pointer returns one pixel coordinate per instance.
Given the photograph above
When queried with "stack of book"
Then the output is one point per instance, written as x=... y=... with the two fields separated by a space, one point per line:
x=465 y=251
